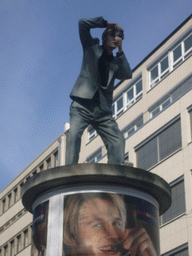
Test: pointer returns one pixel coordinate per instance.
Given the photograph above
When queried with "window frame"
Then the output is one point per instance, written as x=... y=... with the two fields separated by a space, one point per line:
x=156 y=137
x=12 y=248
x=176 y=250
x=171 y=63
x=26 y=237
x=134 y=125
x=160 y=107
x=94 y=156
x=92 y=135
x=172 y=185
x=19 y=243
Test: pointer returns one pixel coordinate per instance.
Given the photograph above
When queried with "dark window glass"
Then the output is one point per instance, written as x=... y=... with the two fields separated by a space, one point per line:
x=178 y=203
x=147 y=155
x=161 y=146
x=177 y=53
x=154 y=73
x=181 y=251
x=12 y=249
x=188 y=43
x=190 y=114
x=170 y=140
x=130 y=95
x=139 y=87
x=164 y=64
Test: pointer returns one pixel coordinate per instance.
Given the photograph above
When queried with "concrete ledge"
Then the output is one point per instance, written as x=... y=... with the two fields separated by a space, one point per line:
x=96 y=174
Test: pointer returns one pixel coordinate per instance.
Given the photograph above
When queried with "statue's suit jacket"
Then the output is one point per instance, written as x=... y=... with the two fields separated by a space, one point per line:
x=89 y=81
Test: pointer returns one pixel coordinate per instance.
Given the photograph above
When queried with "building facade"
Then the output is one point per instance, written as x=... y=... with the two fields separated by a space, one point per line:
x=154 y=112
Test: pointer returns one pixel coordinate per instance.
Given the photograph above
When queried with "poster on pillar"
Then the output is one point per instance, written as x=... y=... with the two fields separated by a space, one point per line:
x=102 y=224
x=39 y=230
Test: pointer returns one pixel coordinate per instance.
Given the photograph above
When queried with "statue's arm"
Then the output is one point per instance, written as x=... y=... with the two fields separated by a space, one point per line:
x=85 y=25
x=124 y=71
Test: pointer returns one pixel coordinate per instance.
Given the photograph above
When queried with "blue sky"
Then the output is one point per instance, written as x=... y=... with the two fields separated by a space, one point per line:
x=41 y=57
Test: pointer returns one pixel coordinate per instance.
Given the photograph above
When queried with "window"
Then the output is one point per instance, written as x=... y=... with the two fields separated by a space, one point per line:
x=126 y=157
x=34 y=172
x=95 y=157
x=4 y=205
x=19 y=243
x=173 y=95
x=178 y=201
x=181 y=51
x=56 y=159
x=26 y=238
x=9 y=200
x=159 y=71
x=41 y=167
x=117 y=107
x=190 y=116
x=179 y=251
x=28 y=178
x=91 y=133
x=48 y=163
x=6 y=250
x=133 y=127
x=134 y=93
x=128 y=98
x=160 y=107
x=12 y=249
x=170 y=61
x=15 y=195
x=159 y=146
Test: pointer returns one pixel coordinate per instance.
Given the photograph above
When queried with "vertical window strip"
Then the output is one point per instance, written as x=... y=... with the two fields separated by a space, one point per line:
x=178 y=203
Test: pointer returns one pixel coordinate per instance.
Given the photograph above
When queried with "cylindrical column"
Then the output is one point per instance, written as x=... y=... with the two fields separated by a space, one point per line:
x=95 y=209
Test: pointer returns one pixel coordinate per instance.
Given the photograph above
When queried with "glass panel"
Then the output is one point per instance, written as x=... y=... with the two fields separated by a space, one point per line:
x=119 y=104
x=15 y=195
x=177 y=53
x=166 y=103
x=130 y=95
x=188 y=43
x=6 y=250
x=140 y=123
x=56 y=159
x=12 y=252
x=156 y=111
x=9 y=200
x=181 y=253
x=154 y=73
x=164 y=64
x=170 y=140
x=131 y=131
x=139 y=87
x=95 y=157
x=49 y=163
x=190 y=113
x=4 y=205
x=147 y=155
x=178 y=203
x=19 y=243
x=26 y=241
x=113 y=109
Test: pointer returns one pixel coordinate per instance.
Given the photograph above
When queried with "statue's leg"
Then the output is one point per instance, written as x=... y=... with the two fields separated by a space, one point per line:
x=112 y=137
x=78 y=123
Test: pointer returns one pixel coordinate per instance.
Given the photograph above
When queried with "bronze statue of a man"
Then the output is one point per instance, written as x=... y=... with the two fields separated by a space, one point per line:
x=92 y=93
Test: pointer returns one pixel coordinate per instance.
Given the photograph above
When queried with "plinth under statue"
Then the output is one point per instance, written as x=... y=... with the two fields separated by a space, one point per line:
x=95 y=210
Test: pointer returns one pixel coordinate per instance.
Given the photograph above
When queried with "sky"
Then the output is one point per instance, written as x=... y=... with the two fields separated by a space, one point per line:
x=40 y=59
